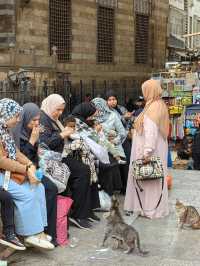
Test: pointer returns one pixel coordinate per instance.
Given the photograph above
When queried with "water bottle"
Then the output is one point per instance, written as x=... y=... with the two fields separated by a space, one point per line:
x=39 y=174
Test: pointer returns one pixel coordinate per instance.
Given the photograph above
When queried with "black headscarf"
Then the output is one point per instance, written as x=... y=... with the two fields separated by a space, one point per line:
x=83 y=111
x=21 y=131
x=112 y=93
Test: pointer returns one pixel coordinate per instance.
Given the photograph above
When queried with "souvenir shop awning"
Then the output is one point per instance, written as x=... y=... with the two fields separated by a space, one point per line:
x=182 y=54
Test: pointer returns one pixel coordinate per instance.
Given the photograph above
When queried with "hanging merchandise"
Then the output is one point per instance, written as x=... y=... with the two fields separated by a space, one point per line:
x=180 y=91
x=192 y=114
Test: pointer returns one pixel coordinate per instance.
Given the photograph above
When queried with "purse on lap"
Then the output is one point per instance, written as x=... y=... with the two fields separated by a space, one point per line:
x=16 y=177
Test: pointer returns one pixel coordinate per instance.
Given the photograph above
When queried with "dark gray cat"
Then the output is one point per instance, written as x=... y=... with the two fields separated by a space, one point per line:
x=125 y=234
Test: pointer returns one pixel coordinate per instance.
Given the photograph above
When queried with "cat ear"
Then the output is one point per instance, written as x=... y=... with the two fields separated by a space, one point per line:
x=114 y=198
x=177 y=201
x=115 y=202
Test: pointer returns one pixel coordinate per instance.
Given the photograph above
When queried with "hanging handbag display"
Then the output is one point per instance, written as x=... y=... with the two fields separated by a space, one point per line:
x=153 y=170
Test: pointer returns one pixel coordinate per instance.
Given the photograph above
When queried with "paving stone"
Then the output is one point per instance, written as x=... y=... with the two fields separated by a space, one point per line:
x=168 y=246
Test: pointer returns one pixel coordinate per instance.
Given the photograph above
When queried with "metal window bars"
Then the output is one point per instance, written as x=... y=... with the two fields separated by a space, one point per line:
x=108 y=3
x=143 y=10
x=60 y=28
x=143 y=7
x=141 y=39
x=105 y=34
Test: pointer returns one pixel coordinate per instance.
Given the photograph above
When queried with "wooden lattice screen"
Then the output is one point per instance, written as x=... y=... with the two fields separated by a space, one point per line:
x=105 y=34
x=60 y=28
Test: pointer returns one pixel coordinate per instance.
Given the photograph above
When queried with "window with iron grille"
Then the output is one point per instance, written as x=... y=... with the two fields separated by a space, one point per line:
x=105 y=34
x=7 y=23
x=141 y=38
x=142 y=10
x=108 y=3
x=143 y=6
x=60 y=28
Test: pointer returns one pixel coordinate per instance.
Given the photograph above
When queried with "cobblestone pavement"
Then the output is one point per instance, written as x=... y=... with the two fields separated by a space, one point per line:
x=167 y=245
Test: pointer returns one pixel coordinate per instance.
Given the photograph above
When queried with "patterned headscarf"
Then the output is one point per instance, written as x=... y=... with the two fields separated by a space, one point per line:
x=8 y=109
x=103 y=109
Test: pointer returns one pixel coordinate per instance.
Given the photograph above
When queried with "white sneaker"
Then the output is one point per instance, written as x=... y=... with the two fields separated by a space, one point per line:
x=37 y=241
x=49 y=238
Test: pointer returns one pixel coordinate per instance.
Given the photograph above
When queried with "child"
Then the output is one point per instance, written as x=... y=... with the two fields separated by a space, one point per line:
x=107 y=140
x=76 y=147
x=9 y=237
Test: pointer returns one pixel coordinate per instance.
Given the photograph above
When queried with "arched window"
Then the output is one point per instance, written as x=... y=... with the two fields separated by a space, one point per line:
x=60 y=28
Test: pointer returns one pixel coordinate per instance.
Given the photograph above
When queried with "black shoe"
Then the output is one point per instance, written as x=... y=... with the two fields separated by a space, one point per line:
x=12 y=241
x=94 y=218
x=55 y=243
x=80 y=223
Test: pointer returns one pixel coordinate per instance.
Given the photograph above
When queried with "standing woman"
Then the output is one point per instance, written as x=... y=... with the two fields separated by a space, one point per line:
x=149 y=138
x=53 y=136
x=26 y=136
x=110 y=121
x=126 y=119
x=121 y=111
x=29 y=196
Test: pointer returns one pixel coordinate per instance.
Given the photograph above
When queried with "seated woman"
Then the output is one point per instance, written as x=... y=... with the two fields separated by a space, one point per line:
x=26 y=135
x=54 y=135
x=109 y=175
x=28 y=196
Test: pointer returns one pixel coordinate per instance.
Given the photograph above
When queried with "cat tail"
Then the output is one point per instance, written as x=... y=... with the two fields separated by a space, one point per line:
x=142 y=252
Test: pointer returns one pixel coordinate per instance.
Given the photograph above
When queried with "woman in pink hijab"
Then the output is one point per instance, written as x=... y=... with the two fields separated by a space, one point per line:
x=149 y=138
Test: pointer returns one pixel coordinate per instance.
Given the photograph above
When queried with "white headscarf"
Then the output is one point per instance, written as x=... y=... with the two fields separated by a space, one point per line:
x=51 y=103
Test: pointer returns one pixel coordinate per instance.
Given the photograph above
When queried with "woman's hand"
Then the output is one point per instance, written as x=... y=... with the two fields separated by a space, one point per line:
x=66 y=132
x=34 y=135
x=128 y=115
x=146 y=159
x=31 y=175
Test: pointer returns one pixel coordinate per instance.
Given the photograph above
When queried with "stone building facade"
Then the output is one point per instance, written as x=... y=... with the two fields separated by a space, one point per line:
x=136 y=30
x=177 y=27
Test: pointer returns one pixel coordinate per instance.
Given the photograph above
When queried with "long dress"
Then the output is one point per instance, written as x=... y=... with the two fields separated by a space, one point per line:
x=152 y=143
x=30 y=207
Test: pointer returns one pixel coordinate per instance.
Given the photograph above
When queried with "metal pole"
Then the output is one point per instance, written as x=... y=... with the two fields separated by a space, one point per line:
x=81 y=90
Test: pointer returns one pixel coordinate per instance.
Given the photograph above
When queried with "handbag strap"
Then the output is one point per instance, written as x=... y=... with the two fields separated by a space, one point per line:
x=140 y=202
x=6 y=180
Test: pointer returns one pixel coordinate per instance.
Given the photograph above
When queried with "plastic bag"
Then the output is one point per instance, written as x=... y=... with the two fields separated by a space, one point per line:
x=105 y=200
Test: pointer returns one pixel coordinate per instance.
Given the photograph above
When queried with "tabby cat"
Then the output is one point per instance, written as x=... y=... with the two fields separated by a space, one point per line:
x=187 y=216
x=123 y=233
